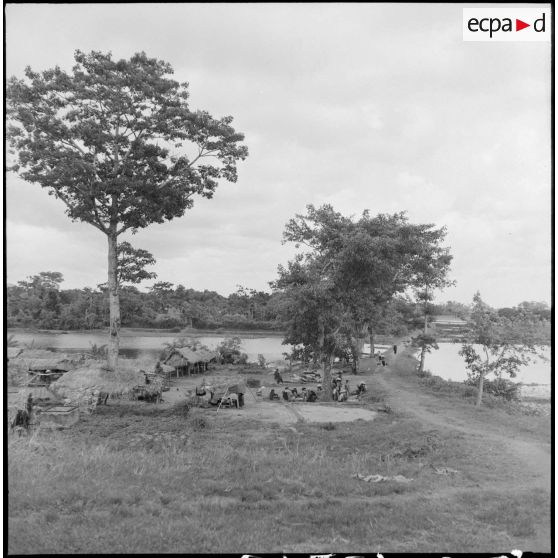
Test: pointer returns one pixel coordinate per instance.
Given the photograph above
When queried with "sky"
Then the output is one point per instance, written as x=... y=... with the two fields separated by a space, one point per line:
x=362 y=106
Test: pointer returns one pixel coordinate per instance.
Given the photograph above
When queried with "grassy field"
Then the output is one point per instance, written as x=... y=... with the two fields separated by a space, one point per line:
x=138 y=478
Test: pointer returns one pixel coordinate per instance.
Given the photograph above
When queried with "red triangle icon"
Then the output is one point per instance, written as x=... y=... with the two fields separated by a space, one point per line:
x=519 y=25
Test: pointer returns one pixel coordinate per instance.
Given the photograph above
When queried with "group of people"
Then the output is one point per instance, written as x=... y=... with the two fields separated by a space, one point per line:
x=292 y=394
x=340 y=390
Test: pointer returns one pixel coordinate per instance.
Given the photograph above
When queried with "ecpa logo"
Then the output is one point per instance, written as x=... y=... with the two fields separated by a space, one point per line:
x=506 y=24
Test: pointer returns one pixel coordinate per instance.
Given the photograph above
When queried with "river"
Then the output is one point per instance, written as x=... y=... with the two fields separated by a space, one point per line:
x=137 y=345
x=448 y=364
x=444 y=362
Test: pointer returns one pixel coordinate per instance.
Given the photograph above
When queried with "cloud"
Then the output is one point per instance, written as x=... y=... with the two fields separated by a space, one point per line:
x=378 y=106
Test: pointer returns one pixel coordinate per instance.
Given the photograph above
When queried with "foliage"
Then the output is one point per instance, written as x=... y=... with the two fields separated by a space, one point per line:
x=117 y=143
x=499 y=387
x=505 y=343
x=229 y=351
x=132 y=262
x=97 y=351
x=111 y=139
x=426 y=342
x=29 y=304
x=350 y=272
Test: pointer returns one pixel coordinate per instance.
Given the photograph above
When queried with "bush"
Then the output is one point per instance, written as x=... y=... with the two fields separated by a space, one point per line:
x=500 y=387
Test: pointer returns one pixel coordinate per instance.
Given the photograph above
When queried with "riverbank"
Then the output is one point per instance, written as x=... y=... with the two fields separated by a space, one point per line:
x=154 y=332
x=149 y=478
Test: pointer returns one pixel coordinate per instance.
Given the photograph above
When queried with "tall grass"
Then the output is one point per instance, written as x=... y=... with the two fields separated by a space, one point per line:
x=156 y=482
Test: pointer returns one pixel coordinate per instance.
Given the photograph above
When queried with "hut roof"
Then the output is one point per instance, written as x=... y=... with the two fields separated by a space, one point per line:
x=188 y=355
x=192 y=356
x=51 y=364
x=95 y=375
x=206 y=355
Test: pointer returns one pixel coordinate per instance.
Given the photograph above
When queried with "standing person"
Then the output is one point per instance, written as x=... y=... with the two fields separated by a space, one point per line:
x=395 y=349
x=277 y=376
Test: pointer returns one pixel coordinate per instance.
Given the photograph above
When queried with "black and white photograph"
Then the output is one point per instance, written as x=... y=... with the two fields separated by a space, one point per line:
x=278 y=278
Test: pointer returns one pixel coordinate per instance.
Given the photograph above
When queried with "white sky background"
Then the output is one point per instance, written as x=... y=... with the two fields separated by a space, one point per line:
x=376 y=106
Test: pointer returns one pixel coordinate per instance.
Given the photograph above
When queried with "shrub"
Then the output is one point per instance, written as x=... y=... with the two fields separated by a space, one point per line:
x=500 y=387
x=424 y=374
x=328 y=426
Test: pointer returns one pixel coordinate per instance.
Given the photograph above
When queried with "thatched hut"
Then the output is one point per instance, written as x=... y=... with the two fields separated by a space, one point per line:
x=83 y=385
x=44 y=371
x=186 y=361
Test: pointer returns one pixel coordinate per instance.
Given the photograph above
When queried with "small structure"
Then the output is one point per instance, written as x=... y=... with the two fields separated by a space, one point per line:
x=186 y=361
x=44 y=371
x=59 y=417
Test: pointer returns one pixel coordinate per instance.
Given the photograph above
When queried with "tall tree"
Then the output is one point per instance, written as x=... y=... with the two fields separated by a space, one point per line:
x=314 y=314
x=117 y=142
x=368 y=260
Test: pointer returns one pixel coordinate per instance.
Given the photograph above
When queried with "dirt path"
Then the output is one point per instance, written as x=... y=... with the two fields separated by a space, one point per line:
x=428 y=408
x=403 y=396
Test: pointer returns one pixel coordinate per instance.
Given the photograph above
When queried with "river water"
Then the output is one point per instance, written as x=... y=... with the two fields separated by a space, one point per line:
x=444 y=362
x=137 y=346
x=448 y=364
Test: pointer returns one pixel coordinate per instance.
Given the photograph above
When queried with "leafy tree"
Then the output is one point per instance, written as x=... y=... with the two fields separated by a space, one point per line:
x=366 y=261
x=230 y=351
x=132 y=262
x=314 y=313
x=431 y=271
x=495 y=345
x=117 y=143
x=425 y=342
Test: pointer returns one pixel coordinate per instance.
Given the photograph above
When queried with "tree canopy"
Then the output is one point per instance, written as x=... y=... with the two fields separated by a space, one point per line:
x=117 y=143
x=116 y=140
x=498 y=345
x=349 y=270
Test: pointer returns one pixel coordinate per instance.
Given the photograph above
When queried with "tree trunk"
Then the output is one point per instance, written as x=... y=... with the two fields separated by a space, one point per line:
x=422 y=358
x=480 y=388
x=372 y=348
x=326 y=380
x=114 y=304
x=425 y=310
x=356 y=349
x=358 y=346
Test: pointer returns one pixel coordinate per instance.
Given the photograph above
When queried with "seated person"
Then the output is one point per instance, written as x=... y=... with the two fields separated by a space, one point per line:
x=212 y=400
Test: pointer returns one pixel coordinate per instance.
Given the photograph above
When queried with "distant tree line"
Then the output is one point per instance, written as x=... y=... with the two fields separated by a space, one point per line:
x=40 y=302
